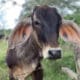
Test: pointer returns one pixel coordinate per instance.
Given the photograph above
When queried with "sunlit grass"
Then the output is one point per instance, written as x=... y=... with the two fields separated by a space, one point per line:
x=3 y=68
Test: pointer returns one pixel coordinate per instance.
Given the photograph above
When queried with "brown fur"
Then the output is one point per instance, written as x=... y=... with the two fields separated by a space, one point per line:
x=19 y=65
x=28 y=42
x=70 y=31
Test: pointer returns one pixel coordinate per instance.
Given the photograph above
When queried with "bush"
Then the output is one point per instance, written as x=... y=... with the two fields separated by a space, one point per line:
x=75 y=17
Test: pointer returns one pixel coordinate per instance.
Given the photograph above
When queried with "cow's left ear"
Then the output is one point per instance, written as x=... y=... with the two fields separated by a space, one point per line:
x=69 y=31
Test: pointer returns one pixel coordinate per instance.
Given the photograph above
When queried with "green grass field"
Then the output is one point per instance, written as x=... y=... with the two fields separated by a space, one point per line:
x=52 y=69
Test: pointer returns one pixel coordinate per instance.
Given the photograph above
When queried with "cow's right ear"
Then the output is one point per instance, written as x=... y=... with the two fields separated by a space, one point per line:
x=69 y=31
x=21 y=33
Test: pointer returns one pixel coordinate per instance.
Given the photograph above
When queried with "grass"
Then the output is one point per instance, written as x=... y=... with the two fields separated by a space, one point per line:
x=52 y=69
x=3 y=67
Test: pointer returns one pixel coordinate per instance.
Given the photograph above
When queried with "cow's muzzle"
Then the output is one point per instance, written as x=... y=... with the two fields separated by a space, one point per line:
x=54 y=54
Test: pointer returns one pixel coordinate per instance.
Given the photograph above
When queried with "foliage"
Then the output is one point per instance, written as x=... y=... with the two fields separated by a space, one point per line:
x=5 y=32
x=75 y=17
x=60 y=4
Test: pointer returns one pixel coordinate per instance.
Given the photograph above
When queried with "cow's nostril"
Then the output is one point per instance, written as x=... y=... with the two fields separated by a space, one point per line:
x=54 y=54
x=58 y=51
x=50 y=52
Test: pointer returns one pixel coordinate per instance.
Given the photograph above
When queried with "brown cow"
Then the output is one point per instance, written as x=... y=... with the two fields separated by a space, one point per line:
x=32 y=40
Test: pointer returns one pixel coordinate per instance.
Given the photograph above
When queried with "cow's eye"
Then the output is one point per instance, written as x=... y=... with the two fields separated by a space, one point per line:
x=37 y=23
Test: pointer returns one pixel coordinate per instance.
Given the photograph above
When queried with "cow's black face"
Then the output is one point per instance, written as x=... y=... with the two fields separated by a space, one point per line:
x=46 y=22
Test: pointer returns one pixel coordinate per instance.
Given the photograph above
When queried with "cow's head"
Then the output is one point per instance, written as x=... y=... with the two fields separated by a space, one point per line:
x=47 y=25
x=46 y=22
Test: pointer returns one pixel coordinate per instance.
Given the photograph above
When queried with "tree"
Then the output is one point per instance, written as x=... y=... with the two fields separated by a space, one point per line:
x=62 y=5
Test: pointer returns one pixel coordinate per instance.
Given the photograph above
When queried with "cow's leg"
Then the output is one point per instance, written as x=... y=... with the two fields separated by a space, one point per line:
x=11 y=77
x=38 y=73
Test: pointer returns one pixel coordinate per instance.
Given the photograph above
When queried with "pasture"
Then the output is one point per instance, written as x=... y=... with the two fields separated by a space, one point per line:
x=52 y=69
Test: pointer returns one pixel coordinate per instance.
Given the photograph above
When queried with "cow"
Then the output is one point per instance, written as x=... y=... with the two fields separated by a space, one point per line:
x=36 y=38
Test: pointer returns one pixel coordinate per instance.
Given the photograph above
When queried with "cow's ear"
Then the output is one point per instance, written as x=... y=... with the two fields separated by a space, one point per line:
x=21 y=33
x=69 y=31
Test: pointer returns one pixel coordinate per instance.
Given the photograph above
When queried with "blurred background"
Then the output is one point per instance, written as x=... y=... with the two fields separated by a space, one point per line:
x=11 y=11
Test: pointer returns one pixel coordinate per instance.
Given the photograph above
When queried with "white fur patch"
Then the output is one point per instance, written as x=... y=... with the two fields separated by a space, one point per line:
x=33 y=65
x=46 y=49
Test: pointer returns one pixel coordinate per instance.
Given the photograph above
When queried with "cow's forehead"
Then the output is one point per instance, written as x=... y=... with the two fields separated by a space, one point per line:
x=45 y=12
x=45 y=7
